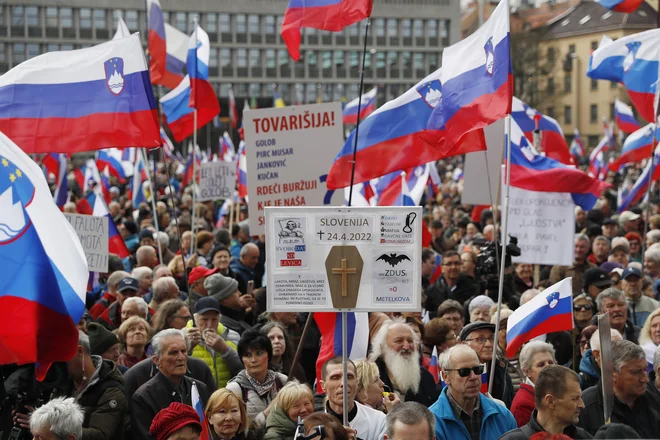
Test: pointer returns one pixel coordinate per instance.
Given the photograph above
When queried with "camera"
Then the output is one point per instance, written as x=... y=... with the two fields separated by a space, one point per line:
x=488 y=274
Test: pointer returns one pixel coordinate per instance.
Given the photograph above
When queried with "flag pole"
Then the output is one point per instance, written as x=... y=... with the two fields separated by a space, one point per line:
x=153 y=199
x=357 y=129
x=648 y=191
x=505 y=225
x=193 y=243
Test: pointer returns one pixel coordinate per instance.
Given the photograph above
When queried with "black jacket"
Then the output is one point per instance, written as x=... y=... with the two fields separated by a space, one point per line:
x=440 y=291
x=644 y=418
x=502 y=385
x=563 y=344
x=158 y=393
x=427 y=394
x=528 y=430
x=234 y=319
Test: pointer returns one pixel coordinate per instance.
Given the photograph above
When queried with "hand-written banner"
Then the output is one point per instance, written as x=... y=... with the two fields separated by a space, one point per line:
x=217 y=181
x=93 y=234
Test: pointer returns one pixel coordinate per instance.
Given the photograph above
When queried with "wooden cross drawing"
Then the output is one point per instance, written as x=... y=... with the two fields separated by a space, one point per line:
x=344 y=272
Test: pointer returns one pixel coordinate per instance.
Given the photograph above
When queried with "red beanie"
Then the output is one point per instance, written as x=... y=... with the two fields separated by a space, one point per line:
x=173 y=418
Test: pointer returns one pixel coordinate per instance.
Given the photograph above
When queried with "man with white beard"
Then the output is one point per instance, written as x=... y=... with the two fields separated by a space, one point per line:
x=394 y=349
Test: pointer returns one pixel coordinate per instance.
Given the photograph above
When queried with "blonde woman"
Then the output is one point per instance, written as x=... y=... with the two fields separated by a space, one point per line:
x=370 y=389
x=649 y=337
x=226 y=414
x=293 y=400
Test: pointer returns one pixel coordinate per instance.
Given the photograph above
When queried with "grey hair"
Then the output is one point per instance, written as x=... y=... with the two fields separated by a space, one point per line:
x=410 y=413
x=444 y=360
x=157 y=340
x=594 y=342
x=61 y=416
x=653 y=253
x=139 y=272
x=163 y=239
x=532 y=348
x=161 y=288
x=379 y=340
x=246 y=248
x=653 y=235
x=612 y=293
x=115 y=277
x=581 y=237
x=143 y=309
x=621 y=242
x=603 y=239
x=83 y=341
x=528 y=295
x=624 y=352
x=481 y=301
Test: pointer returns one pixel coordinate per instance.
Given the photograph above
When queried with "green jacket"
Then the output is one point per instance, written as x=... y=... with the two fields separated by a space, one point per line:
x=279 y=425
x=218 y=365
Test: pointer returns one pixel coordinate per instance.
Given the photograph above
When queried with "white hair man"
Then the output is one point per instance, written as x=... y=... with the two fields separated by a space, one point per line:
x=590 y=363
x=395 y=351
x=462 y=412
x=144 y=275
x=110 y=296
x=164 y=289
x=134 y=306
x=163 y=241
x=633 y=405
x=59 y=419
x=146 y=257
x=244 y=267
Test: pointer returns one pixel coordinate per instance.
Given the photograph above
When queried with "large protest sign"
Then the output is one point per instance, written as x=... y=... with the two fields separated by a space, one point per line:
x=93 y=234
x=544 y=224
x=302 y=242
x=217 y=180
x=289 y=152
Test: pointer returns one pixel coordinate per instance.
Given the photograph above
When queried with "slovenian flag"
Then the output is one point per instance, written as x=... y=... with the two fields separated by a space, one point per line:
x=638 y=190
x=624 y=117
x=241 y=171
x=367 y=106
x=636 y=147
x=433 y=366
x=156 y=40
x=390 y=188
x=550 y=311
x=437 y=271
x=597 y=165
x=623 y=6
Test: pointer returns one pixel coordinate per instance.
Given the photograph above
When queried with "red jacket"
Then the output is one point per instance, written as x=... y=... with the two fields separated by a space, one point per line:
x=101 y=305
x=523 y=404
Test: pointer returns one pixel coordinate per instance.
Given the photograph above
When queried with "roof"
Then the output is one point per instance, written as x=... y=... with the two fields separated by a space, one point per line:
x=588 y=17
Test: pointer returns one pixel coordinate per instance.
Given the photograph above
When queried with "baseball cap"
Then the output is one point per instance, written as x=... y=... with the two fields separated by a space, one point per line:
x=631 y=271
x=609 y=221
x=199 y=272
x=627 y=216
x=475 y=326
x=206 y=304
x=598 y=277
x=128 y=283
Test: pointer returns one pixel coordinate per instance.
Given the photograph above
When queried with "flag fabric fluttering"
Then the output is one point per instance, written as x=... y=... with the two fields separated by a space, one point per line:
x=44 y=298
x=227 y=152
x=389 y=189
x=577 y=146
x=111 y=158
x=433 y=366
x=198 y=405
x=241 y=174
x=395 y=137
x=180 y=116
x=534 y=172
x=61 y=194
x=550 y=311
x=633 y=61
x=477 y=79
x=199 y=52
x=329 y=324
x=364 y=194
x=367 y=106
x=624 y=117
x=651 y=173
x=177 y=52
x=636 y=147
x=122 y=30
x=597 y=165
x=99 y=208
x=623 y=6
x=168 y=146
x=63 y=102
x=553 y=142
x=328 y=15
x=140 y=185
x=156 y=40
x=437 y=271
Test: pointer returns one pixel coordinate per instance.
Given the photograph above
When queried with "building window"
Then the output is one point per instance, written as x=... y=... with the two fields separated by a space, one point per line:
x=551 y=86
x=392 y=59
x=212 y=23
x=32 y=50
x=255 y=56
x=225 y=23
x=380 y=60
x=19 y=53
x=180 y=21
x=567 y=84
x=213 y=57
x=339 y=58
x=392 y=25
x=85 y=18
x=32 y=14
x=593 y=113
x=405 y=60
x=241 y=24
x=51 y=17
x=550 y=112
x=253 y=24
x=241 y=57
x=444 y=28
x=3 y=58
x=571 y=48
x=406 y=27
x=269 y=21
x=327 y=59
x=354 y=29
x=166 y=18
x=270 y=59
x=568 y=116
x=132 y=19
x=353 y=59
x=418 y=27
x=66 y=47
x=66 y=17
x=17 y=16
x=418 y=61
x=551 y=54
x=311 y=58
x=432 y=28
x=282 y=57
x=52 y=48
x=433 y=61
x=594 y=84
x=594 y=45
x=99 y=19
x=379 y=27
x=225 y=57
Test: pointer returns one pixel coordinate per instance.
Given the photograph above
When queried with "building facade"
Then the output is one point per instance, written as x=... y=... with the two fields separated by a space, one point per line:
x=405 y=43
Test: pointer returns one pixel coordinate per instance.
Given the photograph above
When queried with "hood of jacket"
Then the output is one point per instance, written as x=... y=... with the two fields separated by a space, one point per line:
x=280 y=423
x=588 y=365
x=105 y=370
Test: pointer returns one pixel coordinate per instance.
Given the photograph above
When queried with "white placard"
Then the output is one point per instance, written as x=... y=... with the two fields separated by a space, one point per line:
x=289 y=151
x=217 y=180
x=299 y=240
x=93 y=234
x=477 y=175
x=544 y=223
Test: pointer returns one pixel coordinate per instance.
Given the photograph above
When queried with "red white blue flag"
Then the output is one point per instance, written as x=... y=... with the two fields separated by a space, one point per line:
x=624 y=117
x=367 y=106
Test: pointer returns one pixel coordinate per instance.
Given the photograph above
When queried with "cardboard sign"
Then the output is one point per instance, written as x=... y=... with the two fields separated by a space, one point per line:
x=217 y=181
x=93 y=234
x=309 y=249
x=289 y=152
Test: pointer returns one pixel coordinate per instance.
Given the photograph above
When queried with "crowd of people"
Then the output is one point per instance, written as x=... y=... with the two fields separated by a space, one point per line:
x=182 y=324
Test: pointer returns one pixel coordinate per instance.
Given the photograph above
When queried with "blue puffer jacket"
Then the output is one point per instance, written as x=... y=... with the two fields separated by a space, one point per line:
x=496 y=419
x=589 y=371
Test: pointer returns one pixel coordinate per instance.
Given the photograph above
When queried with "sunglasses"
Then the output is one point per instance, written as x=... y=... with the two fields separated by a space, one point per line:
x=577 y=308
x=465 y=372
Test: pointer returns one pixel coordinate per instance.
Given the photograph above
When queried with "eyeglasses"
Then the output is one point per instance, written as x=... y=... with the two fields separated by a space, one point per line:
x=465 y=372
x=583 y=343
x=578 y=307
x=481 y=340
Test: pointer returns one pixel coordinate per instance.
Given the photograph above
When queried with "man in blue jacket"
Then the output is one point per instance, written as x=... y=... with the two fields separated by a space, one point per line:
x=461 y=411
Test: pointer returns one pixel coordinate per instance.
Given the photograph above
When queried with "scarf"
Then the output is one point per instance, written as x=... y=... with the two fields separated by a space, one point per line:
x=262 y=388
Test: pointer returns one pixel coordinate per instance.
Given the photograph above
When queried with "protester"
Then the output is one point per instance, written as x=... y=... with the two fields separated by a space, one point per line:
x=534 y=356
x=613 y=301
x=332 y=428
x=438 y=334
x=103 y=342
x=58 y=419
x=196 y=278
x=282 y=360
x=461 y=411
x=176 y=422
x=226 y=414
x=522 y=278
x=173 y=313
x=134 y=307
x=164 y=289
x=110 y=296
x=111 y=319
x=233 y=306
x=479 y=308
x=579 y=267
x=410 y=420
x=596 y=280
x=134 y=333
x=428 y=266
x=452 y=284
x=640 y=305
x=370 y=389
x=649 y=336
x=600 y=250
x=454 y=313
x=294 y=401
x=244 y=267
